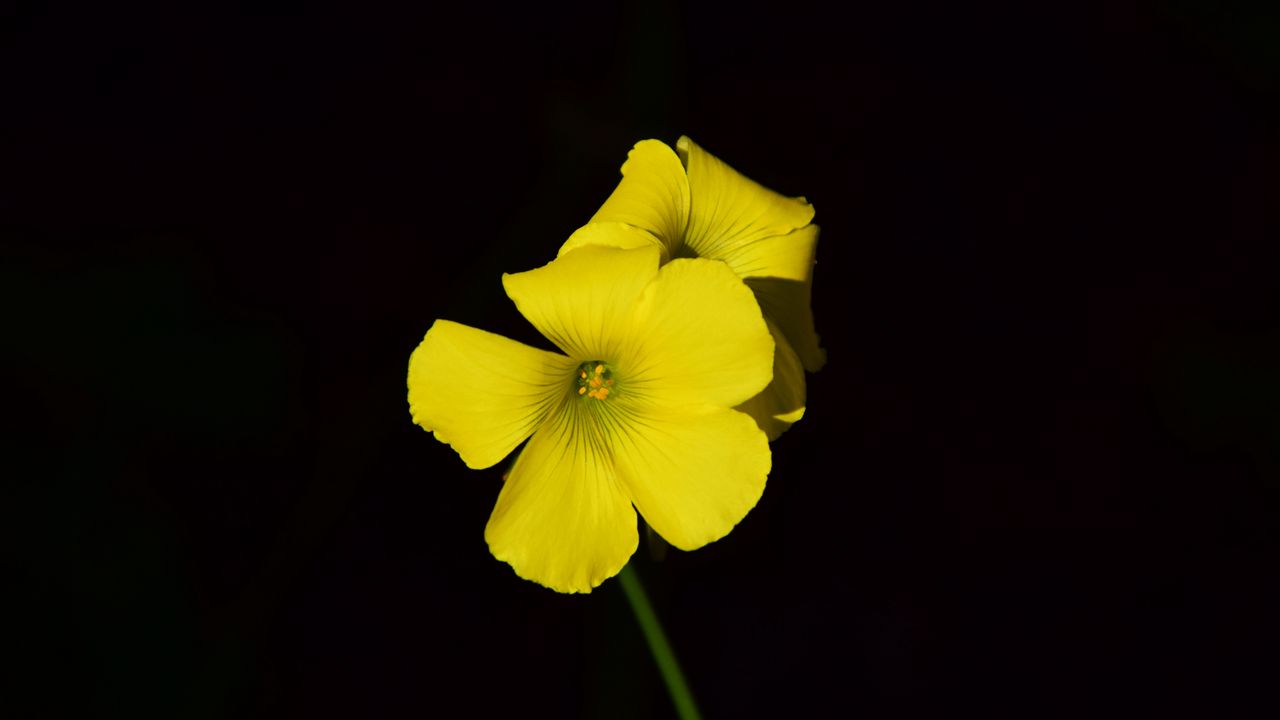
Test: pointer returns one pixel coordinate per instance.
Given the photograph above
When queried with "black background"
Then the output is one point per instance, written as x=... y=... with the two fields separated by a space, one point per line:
x=1039 y=475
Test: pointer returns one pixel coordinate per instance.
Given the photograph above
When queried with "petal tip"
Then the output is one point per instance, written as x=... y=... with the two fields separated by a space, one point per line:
x=578 y=583
x=682 y=150
x=791 y=418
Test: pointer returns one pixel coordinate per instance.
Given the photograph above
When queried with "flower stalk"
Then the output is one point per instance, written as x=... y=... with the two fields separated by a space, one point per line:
x=663 y=655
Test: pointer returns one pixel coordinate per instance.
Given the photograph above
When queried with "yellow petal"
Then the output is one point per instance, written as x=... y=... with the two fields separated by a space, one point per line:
x=482 y=393
x=697 y=337
x=787 y=303
x=728 y=211
x=580 y=300
x=781 y=404
x=561 y=519
x=612 y=234
x=653 y=194
x=789 y=256
x=693 y=473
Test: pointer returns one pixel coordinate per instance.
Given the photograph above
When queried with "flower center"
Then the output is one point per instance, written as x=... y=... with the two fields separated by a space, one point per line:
x=684 y=251
x=595 y=380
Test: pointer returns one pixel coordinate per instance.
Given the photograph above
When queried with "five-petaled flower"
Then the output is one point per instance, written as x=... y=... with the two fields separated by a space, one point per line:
x=637 y=411
x=694 y=205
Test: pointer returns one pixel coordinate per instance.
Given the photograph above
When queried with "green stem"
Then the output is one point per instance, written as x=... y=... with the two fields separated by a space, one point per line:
x=658 y=645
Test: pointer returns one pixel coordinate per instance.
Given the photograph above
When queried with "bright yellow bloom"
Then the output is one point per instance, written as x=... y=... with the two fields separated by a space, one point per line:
x=694 y=205
x=637 y=411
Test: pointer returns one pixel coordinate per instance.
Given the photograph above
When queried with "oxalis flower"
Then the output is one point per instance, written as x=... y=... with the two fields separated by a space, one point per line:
x=635 y=412
x=690 y=204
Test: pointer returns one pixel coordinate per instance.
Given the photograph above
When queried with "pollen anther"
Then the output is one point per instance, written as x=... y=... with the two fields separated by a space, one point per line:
x=594 y=380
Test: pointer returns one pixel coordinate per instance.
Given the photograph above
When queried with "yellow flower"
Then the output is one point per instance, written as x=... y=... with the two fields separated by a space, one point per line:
x=695 y=205
x=637 y=411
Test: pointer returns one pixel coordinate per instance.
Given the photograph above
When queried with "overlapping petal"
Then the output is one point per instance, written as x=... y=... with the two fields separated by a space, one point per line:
x=728 y=210
x=653 y=194
x=562 y=519
x=782 y=403
x=789 y=256
x=581 y=301
x=693 y=472
x=696 y=336
x=482 y=393
x=787 y=303
x=613 y=234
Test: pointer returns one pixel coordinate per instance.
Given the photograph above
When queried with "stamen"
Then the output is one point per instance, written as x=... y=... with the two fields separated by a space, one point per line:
x=595 y=380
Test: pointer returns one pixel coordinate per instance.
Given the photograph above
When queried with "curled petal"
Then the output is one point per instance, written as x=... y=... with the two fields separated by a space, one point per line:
x=612 y=234
x=480 y=392
x=786 y=303
x=789 y=257
x=728 y=211
x=653 y=195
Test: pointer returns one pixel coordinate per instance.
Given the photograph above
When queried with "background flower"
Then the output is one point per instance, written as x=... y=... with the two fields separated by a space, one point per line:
x=636 y=411
x=695 y=205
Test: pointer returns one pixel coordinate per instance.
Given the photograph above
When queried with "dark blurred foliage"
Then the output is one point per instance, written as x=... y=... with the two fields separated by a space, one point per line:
x=1039 y=476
